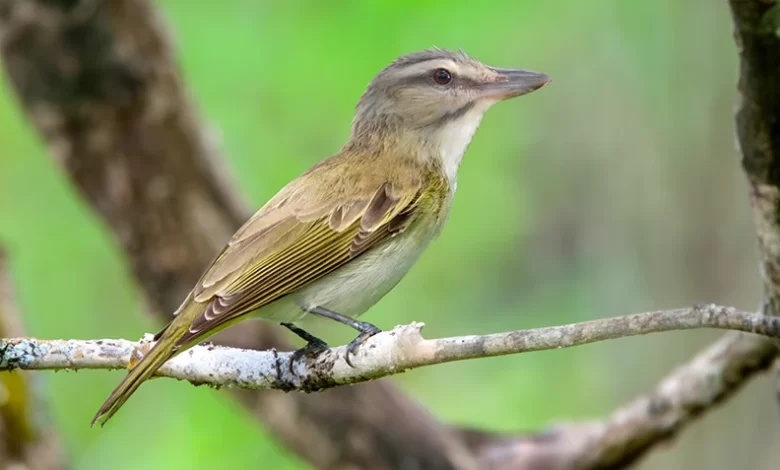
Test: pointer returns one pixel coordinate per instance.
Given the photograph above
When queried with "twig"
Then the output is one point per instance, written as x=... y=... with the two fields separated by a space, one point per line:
x=387 y=353
x=622 y=438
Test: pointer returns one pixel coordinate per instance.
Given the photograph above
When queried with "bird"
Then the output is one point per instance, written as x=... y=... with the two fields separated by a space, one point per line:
x=336 y=239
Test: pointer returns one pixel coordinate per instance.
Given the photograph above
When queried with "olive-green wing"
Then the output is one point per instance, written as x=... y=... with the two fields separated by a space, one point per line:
x=287 y=247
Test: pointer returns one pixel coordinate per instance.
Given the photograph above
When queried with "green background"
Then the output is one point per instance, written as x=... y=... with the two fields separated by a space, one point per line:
x=616 y=189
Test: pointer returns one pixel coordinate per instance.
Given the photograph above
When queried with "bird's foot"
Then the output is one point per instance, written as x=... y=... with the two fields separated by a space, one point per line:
x=367 y=330
x=314 y=346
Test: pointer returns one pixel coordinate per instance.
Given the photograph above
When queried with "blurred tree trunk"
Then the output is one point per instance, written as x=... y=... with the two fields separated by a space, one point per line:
x=757 y=25
x=99 y=80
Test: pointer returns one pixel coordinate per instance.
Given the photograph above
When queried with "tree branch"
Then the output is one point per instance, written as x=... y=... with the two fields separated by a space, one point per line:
x=756 y=25
x=100 y=83
x=719 y=371
x=627 y=434
x=387 y=353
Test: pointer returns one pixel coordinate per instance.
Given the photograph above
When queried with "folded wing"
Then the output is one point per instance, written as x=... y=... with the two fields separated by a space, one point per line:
x=292 y=244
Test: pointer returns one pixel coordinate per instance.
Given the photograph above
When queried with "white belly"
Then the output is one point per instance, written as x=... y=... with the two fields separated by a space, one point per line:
x=355 y=287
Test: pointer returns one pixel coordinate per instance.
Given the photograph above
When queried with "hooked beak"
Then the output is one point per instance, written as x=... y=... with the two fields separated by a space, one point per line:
x=514 y=82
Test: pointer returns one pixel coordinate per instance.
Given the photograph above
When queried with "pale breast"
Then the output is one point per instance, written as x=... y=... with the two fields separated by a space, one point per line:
x=358 y=285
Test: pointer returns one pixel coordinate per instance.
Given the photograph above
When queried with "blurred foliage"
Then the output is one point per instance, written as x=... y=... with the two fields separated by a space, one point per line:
x=616 y=189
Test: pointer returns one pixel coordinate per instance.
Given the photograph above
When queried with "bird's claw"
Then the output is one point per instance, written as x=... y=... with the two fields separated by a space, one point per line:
x=366 y=332
x=310 y=351
x=314 y=346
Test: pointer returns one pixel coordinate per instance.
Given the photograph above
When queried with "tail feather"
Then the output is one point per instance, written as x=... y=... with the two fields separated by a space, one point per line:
x=148 y=365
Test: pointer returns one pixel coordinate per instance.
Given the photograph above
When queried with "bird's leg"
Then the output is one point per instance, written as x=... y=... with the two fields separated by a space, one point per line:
x=366 y=329
x=310 y=339
x=313 y=346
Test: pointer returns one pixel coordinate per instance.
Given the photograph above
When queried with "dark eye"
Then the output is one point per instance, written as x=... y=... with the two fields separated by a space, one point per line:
x=442 y=76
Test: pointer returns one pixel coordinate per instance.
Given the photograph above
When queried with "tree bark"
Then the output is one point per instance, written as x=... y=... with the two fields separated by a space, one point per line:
x=387 y=353
x=757 y=24
x=100 y=82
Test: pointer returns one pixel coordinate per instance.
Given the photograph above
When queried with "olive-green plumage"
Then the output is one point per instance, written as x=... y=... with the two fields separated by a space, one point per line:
x=342 y=235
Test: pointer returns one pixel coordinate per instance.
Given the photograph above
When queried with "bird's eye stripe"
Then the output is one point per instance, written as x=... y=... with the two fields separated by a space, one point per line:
x=426 y=78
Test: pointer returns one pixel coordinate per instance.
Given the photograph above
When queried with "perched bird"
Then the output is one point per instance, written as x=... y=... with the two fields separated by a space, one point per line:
x=340 y=236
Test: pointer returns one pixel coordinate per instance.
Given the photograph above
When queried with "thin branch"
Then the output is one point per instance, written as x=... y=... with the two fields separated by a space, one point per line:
x=385 y=354
x=618 y=441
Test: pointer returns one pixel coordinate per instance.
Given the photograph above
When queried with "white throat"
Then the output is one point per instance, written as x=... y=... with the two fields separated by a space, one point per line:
x=454 y=138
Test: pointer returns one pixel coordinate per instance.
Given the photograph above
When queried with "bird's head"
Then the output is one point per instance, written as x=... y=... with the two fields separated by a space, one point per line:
x=438 y=96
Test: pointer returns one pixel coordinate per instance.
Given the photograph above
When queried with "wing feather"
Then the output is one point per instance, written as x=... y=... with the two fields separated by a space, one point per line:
x=290 y=245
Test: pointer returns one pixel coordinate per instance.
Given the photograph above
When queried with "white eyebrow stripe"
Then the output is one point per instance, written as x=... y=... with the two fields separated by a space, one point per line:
x=421 y=68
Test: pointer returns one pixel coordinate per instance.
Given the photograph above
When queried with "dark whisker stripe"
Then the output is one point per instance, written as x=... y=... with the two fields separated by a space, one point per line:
x=453 y=115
